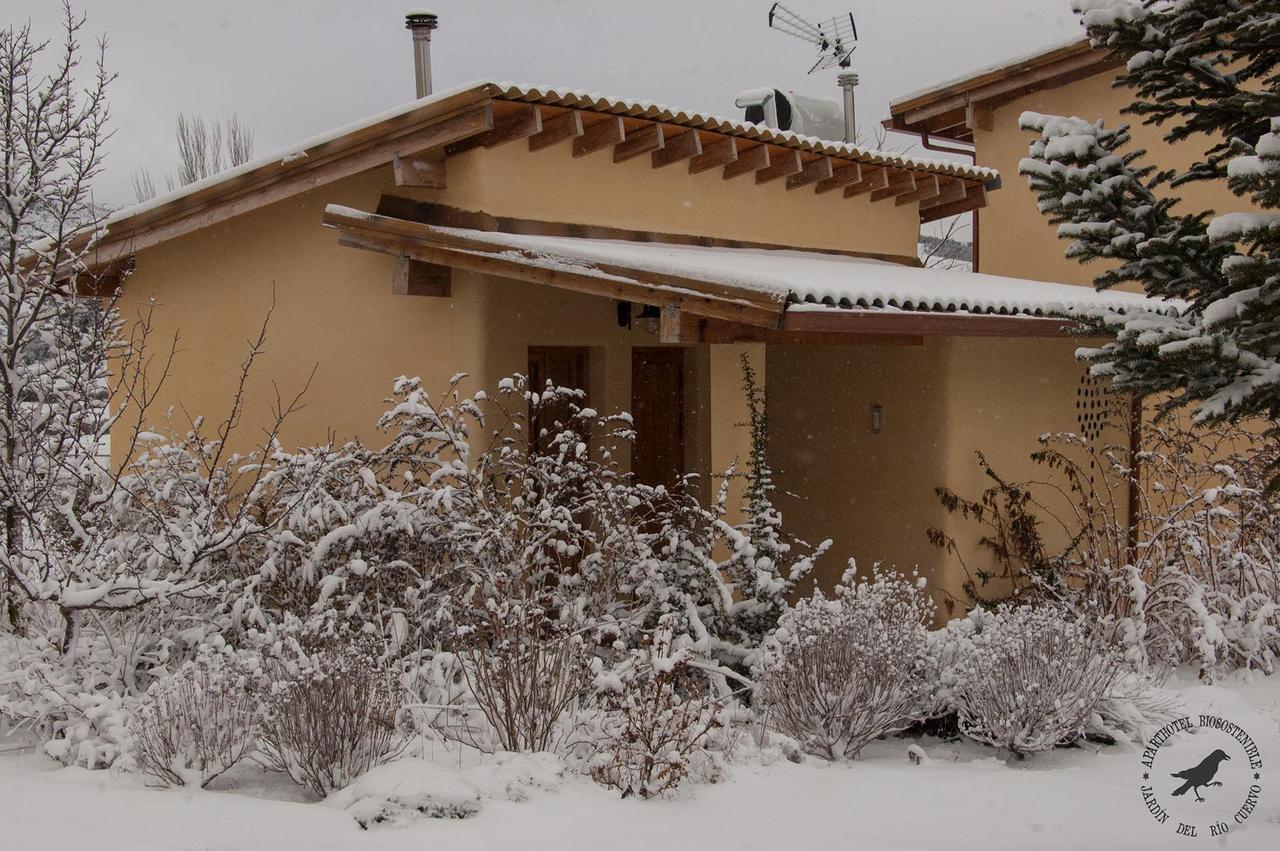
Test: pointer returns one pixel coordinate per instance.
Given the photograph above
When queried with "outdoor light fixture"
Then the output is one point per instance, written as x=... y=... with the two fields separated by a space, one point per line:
x=877 y=418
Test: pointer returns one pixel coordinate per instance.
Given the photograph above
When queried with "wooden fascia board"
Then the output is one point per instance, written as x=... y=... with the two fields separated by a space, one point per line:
x=1005 y=88
x=924 y=323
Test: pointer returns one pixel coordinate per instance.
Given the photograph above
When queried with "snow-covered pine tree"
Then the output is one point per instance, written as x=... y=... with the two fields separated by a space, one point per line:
x=1206 y=71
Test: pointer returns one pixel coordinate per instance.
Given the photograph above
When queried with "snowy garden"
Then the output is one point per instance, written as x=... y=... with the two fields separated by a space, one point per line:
x=451 y=636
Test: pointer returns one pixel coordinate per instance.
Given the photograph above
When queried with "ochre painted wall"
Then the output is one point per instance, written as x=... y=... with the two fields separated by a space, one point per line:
x=1018 y=241
x=874 y=494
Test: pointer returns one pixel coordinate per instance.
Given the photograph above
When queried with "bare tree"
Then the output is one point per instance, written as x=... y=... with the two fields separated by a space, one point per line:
x=205 y=148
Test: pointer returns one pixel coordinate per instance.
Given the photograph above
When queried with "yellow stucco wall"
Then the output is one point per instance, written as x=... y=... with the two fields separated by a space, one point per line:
x=941 y=402
x=1016 y=239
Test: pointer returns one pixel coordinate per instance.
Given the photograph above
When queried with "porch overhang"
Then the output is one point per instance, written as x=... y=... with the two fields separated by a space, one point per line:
x=719 y=294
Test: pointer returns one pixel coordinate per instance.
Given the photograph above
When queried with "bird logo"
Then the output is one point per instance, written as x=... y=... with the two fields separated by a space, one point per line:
x=1201 y=776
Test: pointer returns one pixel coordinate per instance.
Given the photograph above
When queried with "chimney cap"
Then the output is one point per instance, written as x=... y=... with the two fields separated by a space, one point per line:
x=421 y=18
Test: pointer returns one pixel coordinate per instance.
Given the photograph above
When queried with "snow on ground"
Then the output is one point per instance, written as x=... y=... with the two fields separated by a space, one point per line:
x=961 y=797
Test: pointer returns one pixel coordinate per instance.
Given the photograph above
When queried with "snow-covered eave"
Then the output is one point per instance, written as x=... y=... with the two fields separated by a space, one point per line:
x=782 y=289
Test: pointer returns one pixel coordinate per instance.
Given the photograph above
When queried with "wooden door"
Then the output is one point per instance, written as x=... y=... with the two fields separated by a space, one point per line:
x=657 y=405
x=563 y=366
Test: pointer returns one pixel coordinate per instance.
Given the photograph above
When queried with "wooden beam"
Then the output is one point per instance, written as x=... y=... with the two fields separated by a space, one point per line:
x=511 y=126
x=444 y=215
x=748 y=161
x=677 y=148
x=840 y=177
x=424 y=170
x=718 y=153
x=924 y=323
x=873 y=178
x=975 y=197
x=782 y=163
x=642 y=140
x=812 y=172
x=413 y=277
x=900 y=183
x=702 y=329
x=978 y=116
x=560 y=128
x=926 y=188
x=598 y=136
x=669 y=324
x=949 y=189
x=433 y=245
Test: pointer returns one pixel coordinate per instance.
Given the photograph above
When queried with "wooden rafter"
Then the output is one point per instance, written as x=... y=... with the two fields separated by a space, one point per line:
x=782 y=162
x=873 y=178
x=560 y=128
x=839 y=178
x=413 y=277
x=598 y=136
x=975 y=197
x=900 y=183
x=949 y=189
x=715 y=154
x=425 y=170
x=749 y=160
x=812 y=172
x=640 y=140
x=702 y=329
x=926 y=188
x=677 y=148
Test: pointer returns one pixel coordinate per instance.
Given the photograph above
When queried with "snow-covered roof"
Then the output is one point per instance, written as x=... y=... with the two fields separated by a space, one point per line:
x=801 y=279
x=813 y=280
x=308 y=156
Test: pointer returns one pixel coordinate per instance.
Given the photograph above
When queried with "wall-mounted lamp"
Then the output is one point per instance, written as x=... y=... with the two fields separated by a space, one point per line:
x=877 y=419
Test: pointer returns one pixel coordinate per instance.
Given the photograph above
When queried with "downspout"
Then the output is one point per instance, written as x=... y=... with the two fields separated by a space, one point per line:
x=972 y=154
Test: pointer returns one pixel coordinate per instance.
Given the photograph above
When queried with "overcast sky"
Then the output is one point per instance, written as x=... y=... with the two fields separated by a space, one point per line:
x=295 y=68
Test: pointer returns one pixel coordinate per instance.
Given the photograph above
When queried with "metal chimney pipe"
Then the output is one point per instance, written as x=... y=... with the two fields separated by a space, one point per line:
x=421 y=24
x=848 y=82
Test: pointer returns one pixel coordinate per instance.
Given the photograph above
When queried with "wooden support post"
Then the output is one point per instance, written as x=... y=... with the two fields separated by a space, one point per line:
x=642 y=140
x=926 y=188
x=873 y=178
x=717 y=153
x=749 y=160
x=781 y=164
x=812 y=172
x=900 y=183
x=414 y=277
x=677 y=148
x=425 y=169
x=840 y=177
x=669 y=324
x=567 y=125
x=598 y=136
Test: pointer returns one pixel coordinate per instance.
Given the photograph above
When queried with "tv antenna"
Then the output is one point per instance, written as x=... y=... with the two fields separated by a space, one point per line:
x=835 y=39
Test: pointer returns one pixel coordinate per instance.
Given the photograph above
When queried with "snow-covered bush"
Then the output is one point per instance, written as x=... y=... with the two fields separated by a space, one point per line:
x=1192 y=578
x=523 y=670
x=331 y=712
x=1032 y=677
x=201 y=720
x=658 y=721
x=841 y=672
